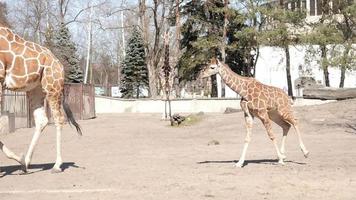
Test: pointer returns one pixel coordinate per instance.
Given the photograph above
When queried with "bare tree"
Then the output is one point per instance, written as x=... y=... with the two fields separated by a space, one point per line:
x=3 y=14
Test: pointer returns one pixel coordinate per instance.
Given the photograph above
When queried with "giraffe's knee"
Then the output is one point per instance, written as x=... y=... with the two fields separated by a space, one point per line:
x=271 y=136
x=248 y=139
x=40 y=116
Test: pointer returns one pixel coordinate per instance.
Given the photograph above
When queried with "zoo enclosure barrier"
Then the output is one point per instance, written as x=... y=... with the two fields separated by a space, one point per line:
x=17 y=105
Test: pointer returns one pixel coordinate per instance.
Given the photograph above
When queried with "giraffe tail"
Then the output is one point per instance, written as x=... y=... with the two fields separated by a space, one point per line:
x=70 y=117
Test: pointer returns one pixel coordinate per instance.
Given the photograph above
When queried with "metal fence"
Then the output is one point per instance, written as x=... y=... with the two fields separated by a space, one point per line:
x=16 y=105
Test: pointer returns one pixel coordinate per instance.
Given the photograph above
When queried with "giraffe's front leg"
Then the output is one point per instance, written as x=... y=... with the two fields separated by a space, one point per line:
x=249 y=124
x=8 y=153
x=41 y=121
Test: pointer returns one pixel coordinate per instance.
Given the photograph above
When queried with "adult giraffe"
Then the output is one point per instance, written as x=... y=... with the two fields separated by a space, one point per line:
x=268 y=103
x=28 y=67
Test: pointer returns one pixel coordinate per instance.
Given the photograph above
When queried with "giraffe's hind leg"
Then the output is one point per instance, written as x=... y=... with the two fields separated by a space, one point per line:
x=264 y=117
x=55 y=104
x=289 y=118
x=278 y=119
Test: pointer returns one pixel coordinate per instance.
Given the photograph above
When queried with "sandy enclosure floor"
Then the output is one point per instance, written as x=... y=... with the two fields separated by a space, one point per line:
x=138 y=156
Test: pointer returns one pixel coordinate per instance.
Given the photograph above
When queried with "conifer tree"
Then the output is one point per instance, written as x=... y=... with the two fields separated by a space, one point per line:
x=66 y=51
x=334 y=35
x=203 y=37
x=134 y=71
x=281 y=32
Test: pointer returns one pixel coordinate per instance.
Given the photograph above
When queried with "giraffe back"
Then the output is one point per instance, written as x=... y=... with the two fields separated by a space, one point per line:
x=261 y=96
x=25 y=65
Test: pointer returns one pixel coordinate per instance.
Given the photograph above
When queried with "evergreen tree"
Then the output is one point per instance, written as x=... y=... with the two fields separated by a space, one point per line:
x=134 y=71
x=345 y=57
x=202 y=37
x=65 y=50
x=282 y=32
x=324 y=36
x=334 y=35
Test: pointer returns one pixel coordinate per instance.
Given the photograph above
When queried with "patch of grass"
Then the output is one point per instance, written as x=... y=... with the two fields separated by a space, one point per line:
x=191 y=120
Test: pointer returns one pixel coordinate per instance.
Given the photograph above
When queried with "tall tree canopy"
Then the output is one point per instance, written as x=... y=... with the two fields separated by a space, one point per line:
x=202 y=37
x=134 y=71
x=66 y=51
x=282 y=31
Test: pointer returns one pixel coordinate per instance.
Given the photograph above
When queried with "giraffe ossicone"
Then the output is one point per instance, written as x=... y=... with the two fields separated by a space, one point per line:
x=28 y=67
x=265 y=102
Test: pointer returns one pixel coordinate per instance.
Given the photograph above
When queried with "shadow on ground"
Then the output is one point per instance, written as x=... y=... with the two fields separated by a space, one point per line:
x=34 y=168
x=260 y=161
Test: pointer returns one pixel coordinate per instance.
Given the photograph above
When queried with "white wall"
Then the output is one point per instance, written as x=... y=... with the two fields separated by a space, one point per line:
x=114 y=105
x=211 y=105
x=270 y=68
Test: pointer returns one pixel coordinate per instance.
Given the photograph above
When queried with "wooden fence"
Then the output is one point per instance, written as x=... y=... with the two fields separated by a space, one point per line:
x=17 y=105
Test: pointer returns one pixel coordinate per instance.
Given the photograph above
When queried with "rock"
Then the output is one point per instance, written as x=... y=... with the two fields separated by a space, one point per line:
x=231 y=110
x=177 y=119
x=213 y=142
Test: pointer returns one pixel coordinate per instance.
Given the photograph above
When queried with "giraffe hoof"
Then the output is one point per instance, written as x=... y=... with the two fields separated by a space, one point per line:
x=56 y=170
x=281 y=162
x=282 y=157
x=238 y=165
x=306 y=154
x=22 y=162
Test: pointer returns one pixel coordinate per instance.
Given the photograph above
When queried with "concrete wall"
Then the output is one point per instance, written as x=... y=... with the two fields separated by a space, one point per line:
x=270 y=68
x=114 y=105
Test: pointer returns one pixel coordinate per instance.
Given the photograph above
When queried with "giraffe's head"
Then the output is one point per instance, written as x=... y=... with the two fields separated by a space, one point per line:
x=211 y=69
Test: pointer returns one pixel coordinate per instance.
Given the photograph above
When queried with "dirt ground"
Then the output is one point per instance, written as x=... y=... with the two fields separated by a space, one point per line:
x=138 y=156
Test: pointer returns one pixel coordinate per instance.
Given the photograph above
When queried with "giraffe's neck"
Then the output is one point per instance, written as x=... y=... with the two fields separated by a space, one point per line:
x=234 y=81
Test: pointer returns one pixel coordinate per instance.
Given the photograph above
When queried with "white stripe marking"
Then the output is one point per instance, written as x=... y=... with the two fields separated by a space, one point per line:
x=57 y=191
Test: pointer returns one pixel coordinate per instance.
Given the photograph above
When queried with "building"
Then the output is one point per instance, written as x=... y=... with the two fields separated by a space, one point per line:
x=270 y=68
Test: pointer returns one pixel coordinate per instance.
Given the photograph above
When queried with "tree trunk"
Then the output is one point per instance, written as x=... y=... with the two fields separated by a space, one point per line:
x=342 y=77
x=221 y=84
x=289 y=79
x=152 y=80
x=329 y=93
x=178 y=36
x=153 y=53
x=344 y=64
x=138 y=91
x=214 y=92
x=325 y=65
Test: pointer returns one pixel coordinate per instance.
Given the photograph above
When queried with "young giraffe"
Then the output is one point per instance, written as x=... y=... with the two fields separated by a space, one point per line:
x=28 y=67
x=265 y=102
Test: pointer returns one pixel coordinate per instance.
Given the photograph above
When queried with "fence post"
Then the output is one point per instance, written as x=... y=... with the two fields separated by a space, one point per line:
x=81 y=101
